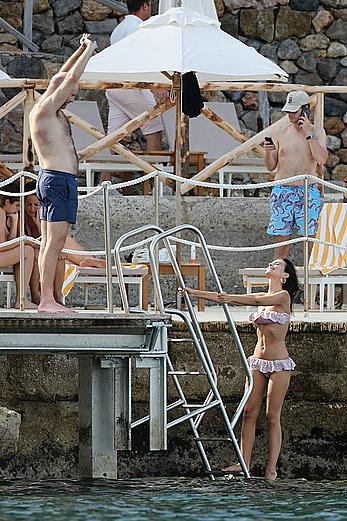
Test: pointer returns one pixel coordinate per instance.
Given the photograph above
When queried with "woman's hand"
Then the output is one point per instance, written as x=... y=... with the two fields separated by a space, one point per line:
x=224 y=298
x=186 y=290
x=12 y=219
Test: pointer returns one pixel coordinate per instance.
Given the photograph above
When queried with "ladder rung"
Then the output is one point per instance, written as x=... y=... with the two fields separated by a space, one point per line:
x=186 y=373
x=179 y=340
x=194 y=405
x=218 y=440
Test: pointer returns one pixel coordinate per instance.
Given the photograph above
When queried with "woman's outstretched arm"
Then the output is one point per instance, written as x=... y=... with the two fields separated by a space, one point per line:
x=257 y=299
x=207 y=295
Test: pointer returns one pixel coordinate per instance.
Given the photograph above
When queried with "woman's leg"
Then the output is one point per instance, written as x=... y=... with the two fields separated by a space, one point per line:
x=35 y=280
x=277 y=389
x=28 y=268
x=250 y=416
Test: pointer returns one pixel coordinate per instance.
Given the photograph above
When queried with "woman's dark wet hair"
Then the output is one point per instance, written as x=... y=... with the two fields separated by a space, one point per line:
x=291 y=284
x=14 y=188
x=29 y=187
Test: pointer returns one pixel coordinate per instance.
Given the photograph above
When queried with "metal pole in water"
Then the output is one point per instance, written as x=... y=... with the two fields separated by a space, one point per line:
x=156 y=221
x=107 y=231
x=21 y=246
x=306 y=259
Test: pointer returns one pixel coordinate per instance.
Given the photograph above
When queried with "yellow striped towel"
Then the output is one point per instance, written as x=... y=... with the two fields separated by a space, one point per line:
x=332 y=227
x=71 y=272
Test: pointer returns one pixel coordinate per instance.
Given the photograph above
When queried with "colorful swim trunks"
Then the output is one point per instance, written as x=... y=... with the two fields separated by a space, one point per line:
x=287 y=210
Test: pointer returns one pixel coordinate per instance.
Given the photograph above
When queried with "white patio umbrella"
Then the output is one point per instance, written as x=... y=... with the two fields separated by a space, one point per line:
x=4 y=76
x=181 y=40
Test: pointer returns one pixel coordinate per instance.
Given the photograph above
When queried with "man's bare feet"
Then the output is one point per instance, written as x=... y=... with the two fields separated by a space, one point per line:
x=53 y=307
x=92 y=262
x=233 y=469
x=27 y=305
x=270 y=475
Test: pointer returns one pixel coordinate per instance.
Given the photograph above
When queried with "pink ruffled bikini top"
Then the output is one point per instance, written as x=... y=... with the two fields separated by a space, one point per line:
x=269 y=317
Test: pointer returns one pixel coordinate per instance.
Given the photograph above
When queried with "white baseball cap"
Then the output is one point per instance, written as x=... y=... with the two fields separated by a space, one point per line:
x=295 y=100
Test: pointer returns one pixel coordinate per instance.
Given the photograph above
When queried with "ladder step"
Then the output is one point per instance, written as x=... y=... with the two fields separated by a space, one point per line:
x=217 y=440
x=197 y=405
x=179 y=340
x=186 y=373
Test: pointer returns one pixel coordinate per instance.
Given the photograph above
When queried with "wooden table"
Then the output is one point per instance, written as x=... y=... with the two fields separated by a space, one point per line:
x=187 y=268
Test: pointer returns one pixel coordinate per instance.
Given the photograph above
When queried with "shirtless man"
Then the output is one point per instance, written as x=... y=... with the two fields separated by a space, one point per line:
x=297 y=148
x=57 y=184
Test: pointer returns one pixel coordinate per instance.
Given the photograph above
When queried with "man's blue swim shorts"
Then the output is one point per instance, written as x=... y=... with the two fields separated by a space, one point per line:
x=287 y=210
x=57 y=193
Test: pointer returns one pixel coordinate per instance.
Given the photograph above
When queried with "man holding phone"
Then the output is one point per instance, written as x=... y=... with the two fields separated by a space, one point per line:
x=296 y=148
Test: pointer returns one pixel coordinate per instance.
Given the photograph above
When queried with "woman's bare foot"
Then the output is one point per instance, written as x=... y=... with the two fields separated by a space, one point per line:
x=53 y=307
x=92 y=262
x=27 y=305
x=270 y=475
x=233 y=469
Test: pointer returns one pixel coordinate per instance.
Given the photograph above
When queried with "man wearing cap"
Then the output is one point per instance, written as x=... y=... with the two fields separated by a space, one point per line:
x=297 y=147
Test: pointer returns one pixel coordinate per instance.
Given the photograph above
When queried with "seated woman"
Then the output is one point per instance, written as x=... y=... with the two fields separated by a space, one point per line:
x=33 y=229
x=10 y=255
x=270 y=363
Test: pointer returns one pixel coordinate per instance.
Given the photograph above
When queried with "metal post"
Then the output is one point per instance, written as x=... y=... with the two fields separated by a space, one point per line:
x=306 y=259
x=21 y=246
x=156 y=221
x=28 y=21
x=107 y=230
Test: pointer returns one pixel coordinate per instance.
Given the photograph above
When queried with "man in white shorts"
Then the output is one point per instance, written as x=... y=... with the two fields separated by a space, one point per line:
x=126 y=104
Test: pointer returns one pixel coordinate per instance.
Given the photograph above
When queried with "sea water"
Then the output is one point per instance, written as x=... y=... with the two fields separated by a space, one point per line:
x=173 y=498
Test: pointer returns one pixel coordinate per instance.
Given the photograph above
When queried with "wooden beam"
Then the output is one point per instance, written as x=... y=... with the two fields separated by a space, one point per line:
x=273 y=87
x=12 y=103
x=229 y=129
x=5 y=171
x=9 y=29
x=28 y=150
x=125 y=130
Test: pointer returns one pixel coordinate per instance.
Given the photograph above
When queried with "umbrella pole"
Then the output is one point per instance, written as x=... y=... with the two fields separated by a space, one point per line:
x=177 y=86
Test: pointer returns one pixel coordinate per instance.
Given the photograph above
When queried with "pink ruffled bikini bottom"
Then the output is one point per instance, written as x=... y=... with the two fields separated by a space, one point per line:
x=267 y=367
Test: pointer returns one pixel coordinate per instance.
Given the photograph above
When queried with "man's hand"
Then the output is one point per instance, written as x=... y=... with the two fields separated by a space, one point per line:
x=267 y=145
x=305 y=125
x=90 y=45
x=83 y=40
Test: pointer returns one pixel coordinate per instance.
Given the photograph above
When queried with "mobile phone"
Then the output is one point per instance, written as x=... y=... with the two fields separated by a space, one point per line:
x=269 y=141
x=304 y=112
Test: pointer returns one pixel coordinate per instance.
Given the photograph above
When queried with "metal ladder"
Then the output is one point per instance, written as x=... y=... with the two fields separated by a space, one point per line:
x=193 y=413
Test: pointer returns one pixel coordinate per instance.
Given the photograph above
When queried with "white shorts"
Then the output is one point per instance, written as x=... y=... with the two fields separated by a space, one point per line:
x=126 y=104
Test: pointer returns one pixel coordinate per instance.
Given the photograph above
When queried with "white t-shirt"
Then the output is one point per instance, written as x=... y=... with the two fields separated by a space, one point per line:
x=129 y=25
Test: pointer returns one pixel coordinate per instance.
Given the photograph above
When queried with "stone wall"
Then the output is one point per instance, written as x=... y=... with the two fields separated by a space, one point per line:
x=42 y=393
x=307 y=38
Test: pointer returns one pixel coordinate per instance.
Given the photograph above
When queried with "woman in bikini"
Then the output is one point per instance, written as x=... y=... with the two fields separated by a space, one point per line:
x=270 y=363
x=10 y=255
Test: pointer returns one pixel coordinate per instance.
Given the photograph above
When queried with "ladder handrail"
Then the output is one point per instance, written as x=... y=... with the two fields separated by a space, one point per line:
x=118 y=262
x=208 y=258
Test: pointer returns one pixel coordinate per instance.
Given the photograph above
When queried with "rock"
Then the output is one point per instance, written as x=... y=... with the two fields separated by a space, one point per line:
x=7 y=38
x=44 y=22
x=269 y=51
x=63 y=7
x=288 y=50
x=343 y=62
x=304 y=5
x=40 y=5
x=340 y=173
x=237 y=4
x=276 y=115
x=342 y=153
x=51 y=68
x=26 y=66
x=253 y=43
x=314 y=41
x=337 y=31
x=277 y=98
x=341 y=79
x=92 y=10
x=230 y=24
x=250 y=101
x=334 y=107
x=72 y=24
x=250 y=120
x=344 y=119
x=37 y=37
x=52 y=44
x=257 y=24
x=102 y=40
x=319 y=53
x=333 y=143
x=307 y=61
x=292 y=23
x=308 y=78
x=337 y=4
x=9 y=432
x=322 y=19
x=12 y=13
x=327 y=69
x=220 y=7
x=339 y=13
x=332 y=161
x=334 y=126
x=274 y=3
x=10 y=140
x=344 y=138
x=336 y=50
x=289 y=67
x=103 y=27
